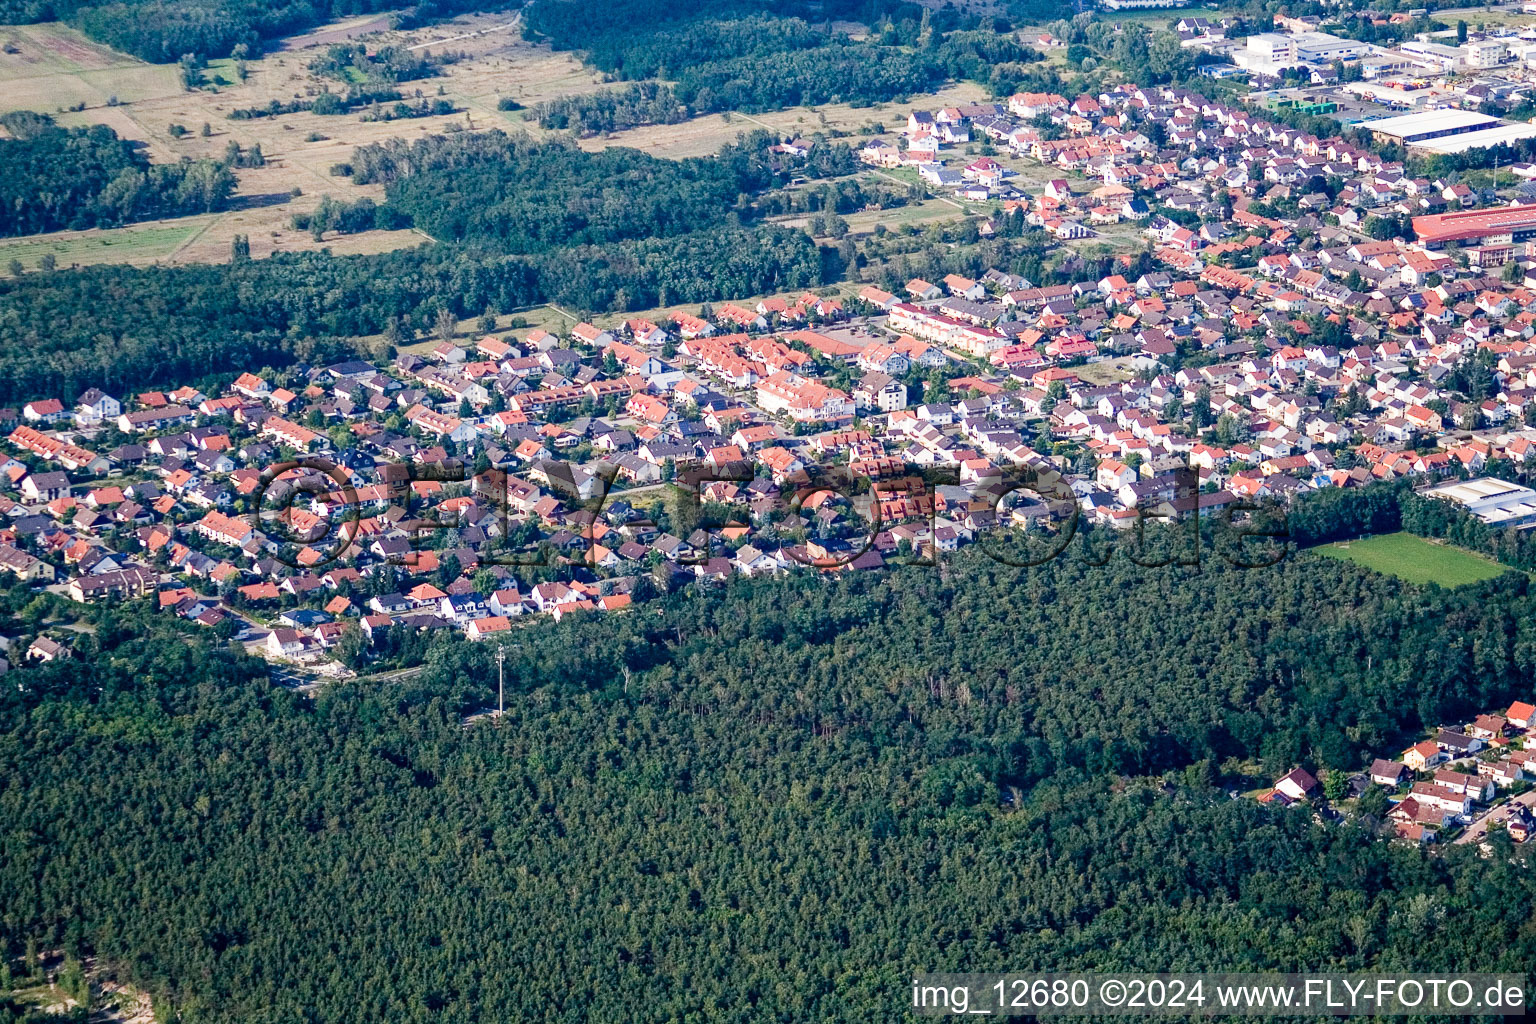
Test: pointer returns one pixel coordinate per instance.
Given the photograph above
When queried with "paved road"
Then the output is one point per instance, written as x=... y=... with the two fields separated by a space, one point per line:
x=1479 y=828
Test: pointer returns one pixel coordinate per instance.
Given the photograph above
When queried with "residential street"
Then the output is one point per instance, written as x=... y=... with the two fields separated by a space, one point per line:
x=1476 y=831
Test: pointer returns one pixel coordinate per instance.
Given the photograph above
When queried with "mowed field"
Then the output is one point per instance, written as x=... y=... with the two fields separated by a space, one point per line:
x=137 y=244
x=1416 y=559
x=1107 y=371
x=467 y=332
x=50 y=67
x=1493 y=17
x=203 y=238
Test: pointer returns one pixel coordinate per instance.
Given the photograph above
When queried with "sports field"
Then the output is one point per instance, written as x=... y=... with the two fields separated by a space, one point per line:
x=1416 y=560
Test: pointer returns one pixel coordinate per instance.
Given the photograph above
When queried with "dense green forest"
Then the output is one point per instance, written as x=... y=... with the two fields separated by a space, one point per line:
x=54 y=178
x=767 y=802
x=635 y=39
x=738 y=57
x=496 y=187
x=613 y=110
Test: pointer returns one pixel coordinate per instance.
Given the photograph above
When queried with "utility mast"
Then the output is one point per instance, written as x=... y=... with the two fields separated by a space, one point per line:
x=501 y=703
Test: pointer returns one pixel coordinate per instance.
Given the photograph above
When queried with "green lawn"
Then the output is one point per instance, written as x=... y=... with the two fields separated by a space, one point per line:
x=1416 y=560
x=135 y=243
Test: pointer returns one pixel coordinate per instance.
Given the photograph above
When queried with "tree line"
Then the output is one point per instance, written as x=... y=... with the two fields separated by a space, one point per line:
x=125 y=328
x=326 y=103
x=351 y=62
x=54 y=178
x=752 y=57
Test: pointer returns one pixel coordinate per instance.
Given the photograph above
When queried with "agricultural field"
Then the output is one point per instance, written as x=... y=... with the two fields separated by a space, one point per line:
x=54 y=67
x=339 y=32
x=863 y=222
x=138 y=244
x=914 y=215
x=467 y=331
x=49 y=67
x=1109 y=239
x=269 y=235
x=1156 y=17
x=1416 y=559
x=1492 y=17
x=204 y=238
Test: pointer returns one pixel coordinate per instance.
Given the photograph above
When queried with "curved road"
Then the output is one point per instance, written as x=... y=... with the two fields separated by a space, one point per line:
x=1479 y=828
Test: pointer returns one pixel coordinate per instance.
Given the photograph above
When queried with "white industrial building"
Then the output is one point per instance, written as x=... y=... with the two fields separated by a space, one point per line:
x=1429 y=124
x=1510 y=131
x=1272 y=48
x=1446 y=58
x=1448 y=131
x=1385 y=62
x=1323 y=48
x=1485 y=53
x=1270 y=51
x=1496 y=502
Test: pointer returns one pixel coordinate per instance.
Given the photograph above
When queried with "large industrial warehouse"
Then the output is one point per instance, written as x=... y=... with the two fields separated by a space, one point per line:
x=1428 y=124
x=1496 y=502
x=1478 y=227
x=1447 y=131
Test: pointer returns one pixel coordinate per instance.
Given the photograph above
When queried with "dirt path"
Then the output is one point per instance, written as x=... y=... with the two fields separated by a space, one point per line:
x=892 y=177
x=337 y=34
x=471 y=35
x=194 y=236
